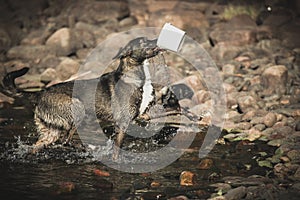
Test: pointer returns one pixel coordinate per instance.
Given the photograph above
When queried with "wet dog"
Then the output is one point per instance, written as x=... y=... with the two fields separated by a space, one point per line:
x=118 y=97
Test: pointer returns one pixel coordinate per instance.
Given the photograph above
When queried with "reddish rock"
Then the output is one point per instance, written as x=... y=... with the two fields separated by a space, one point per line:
x=187 y=178
x=274 y=80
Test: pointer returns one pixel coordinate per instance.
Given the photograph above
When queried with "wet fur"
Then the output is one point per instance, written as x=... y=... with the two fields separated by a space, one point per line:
x=54 y=111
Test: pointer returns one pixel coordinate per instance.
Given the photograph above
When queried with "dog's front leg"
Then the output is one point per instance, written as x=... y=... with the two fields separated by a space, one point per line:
x=118 y=143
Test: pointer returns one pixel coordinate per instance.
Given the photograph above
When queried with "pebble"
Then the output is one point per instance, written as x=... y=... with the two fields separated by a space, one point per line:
x=187 y=178
x=206 y=163
x=236 y=193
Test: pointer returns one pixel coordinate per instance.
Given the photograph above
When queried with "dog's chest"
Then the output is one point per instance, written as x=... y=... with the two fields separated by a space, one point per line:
x=147 y=89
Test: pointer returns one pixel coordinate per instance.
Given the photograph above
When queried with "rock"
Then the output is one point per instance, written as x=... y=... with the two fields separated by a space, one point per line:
x=187 y=103
x=257 y=120
x=297 y=127
x=228 y=69
x=236 y=193
x=96 y=12
x=5 y=99
x=67 y=68
x=201 y=96
x=194 y=82
x=48 y=75
x=181 y=197
x=49 y=61
x=243 y=125
x=297 y=174
x=274 y=80
x=128 y=21
x=5 y=42
x=179 y=17
x=61 y=42
x=206 y=163
x=187 y=178
x=260 y=127
x=240 y=30
x=294 y=155
x=283 y=131
x=28 y=52
x=246 y=103
x=270 y=119
x=36 y=37
x=253 y=134
x=234 y=116
x=221 y=186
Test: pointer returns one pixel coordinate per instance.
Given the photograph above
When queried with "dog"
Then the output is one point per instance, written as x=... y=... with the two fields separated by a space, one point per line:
x=121 y=96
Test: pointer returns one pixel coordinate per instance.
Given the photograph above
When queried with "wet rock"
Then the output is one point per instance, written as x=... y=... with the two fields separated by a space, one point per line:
x=206 y=163
x=294 y=155
x=267 y=132
x=28 y=52
x=246 y=103
x=155 y=184
x=67 y=68
x=281 y=132
x=236 y=193
x=297 y=174
x=61 y=42
x=270 y=119
x=274 y=80
x=297 y=127
x=181 y=197
x=187 y=178
x=253 y=134
x=221 y=186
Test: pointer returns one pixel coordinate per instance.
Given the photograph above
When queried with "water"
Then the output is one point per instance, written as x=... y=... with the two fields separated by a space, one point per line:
x=66 y=172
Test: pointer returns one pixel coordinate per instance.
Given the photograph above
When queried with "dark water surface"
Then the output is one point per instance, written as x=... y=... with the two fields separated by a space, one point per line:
x=68 y=173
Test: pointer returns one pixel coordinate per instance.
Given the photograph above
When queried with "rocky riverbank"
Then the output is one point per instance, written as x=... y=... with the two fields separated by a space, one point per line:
x=257 y=51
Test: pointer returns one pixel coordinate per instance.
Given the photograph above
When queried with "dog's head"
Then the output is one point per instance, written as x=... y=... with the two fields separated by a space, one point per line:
x=139 y=49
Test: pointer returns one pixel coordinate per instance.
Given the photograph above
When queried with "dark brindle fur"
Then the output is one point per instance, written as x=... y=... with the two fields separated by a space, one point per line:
x=59 y=110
